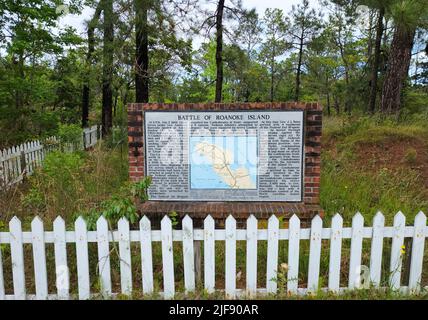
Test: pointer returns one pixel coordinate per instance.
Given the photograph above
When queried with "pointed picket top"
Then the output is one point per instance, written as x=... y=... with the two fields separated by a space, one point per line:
x=123 y=221
x=187 y=226
x=337 y=218
x=123 y=225
x=208 y=219
x=230 y=219
x=144 y=219
x=420 y=217
x=36 y=222
x=294 y=219
x=251 y=218
x=273 y=221
x=58 y=222
x=187 y=219
x=317 y=220
x=166 y=221
x=80 y=222
x=358 y=216
x=15 y=222
x=379 y=219
x=358 y=220
x=102 y=222
x=399 y=220
x=145 y=223
x=252 y=225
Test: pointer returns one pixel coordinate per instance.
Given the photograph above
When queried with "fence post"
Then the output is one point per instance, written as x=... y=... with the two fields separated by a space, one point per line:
x=23 y=163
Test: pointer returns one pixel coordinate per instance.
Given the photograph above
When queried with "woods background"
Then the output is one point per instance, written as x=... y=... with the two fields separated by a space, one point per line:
x=363 y=56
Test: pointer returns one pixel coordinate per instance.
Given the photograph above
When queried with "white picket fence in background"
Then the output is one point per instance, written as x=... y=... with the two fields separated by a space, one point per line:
x=145 y=237
x=18 y=161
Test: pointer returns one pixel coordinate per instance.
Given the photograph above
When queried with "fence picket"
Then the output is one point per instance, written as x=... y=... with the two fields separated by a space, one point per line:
x=17 y=256
x=2 y=292
x=396 y=256
x=230 y=257
x=18 y=162
x=39 y=256
x=376 y=249
x=61 y=266
x=5 y=168
x=32 y=153
x=209 y=254
x=335 y=253
x=314 y=254
x=251 y=261
x=418 y=246
x=188 y=254
x=356 y=251
x=82 y=258
x=167 y=258
x=38 y=238
x=103 y=256
x=272 y=255
x=146 y=255
x=125 y=256
x=293 y=254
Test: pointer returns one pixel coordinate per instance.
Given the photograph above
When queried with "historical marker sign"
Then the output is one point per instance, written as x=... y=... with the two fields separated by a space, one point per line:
x=224 y=156
x=221 y=159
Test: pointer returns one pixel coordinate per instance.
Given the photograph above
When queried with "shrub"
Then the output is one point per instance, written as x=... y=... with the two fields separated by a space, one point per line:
x=57 y=185
x=70 y=133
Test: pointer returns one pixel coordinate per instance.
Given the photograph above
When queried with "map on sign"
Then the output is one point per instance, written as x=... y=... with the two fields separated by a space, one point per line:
x=223 y=162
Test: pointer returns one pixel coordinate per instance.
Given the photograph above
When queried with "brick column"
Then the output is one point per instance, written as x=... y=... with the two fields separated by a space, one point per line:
x=135 y=141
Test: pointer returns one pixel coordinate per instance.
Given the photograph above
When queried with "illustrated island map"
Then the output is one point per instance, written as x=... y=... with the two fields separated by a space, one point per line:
x=223 y=162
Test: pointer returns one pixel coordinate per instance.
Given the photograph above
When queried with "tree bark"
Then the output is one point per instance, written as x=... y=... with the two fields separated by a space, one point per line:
x=299 y=67
x=91 y=48
x=397 y=69
x=108 y=51
x=142 y=51
x=219 y=51
x=376 y=61
x=272 y=80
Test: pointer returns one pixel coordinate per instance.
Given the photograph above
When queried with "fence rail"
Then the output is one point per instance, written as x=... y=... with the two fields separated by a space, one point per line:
x=252 y=235
x=18 y=161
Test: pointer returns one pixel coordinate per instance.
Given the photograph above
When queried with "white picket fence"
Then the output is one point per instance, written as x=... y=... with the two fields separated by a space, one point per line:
x=145 y=237
x=18 y=161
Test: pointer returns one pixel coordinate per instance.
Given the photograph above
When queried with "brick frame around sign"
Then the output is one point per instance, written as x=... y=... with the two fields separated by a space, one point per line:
x=312 y=139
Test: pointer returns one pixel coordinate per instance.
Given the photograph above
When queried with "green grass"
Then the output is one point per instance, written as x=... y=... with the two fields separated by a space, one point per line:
x=348 y=184
x=348 y=187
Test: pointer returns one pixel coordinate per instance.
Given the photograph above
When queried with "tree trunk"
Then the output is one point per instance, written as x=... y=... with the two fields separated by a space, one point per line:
x=108 y=51
x=328 y=104
x=272 y=75
x=299 y=67
x=219 y=51
x=336 y=104
x=328 y=95
x=376 y=61
x=142 y=51
x=91 y=48
x=398 y=68
x=19 y=93
x=272 y=79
